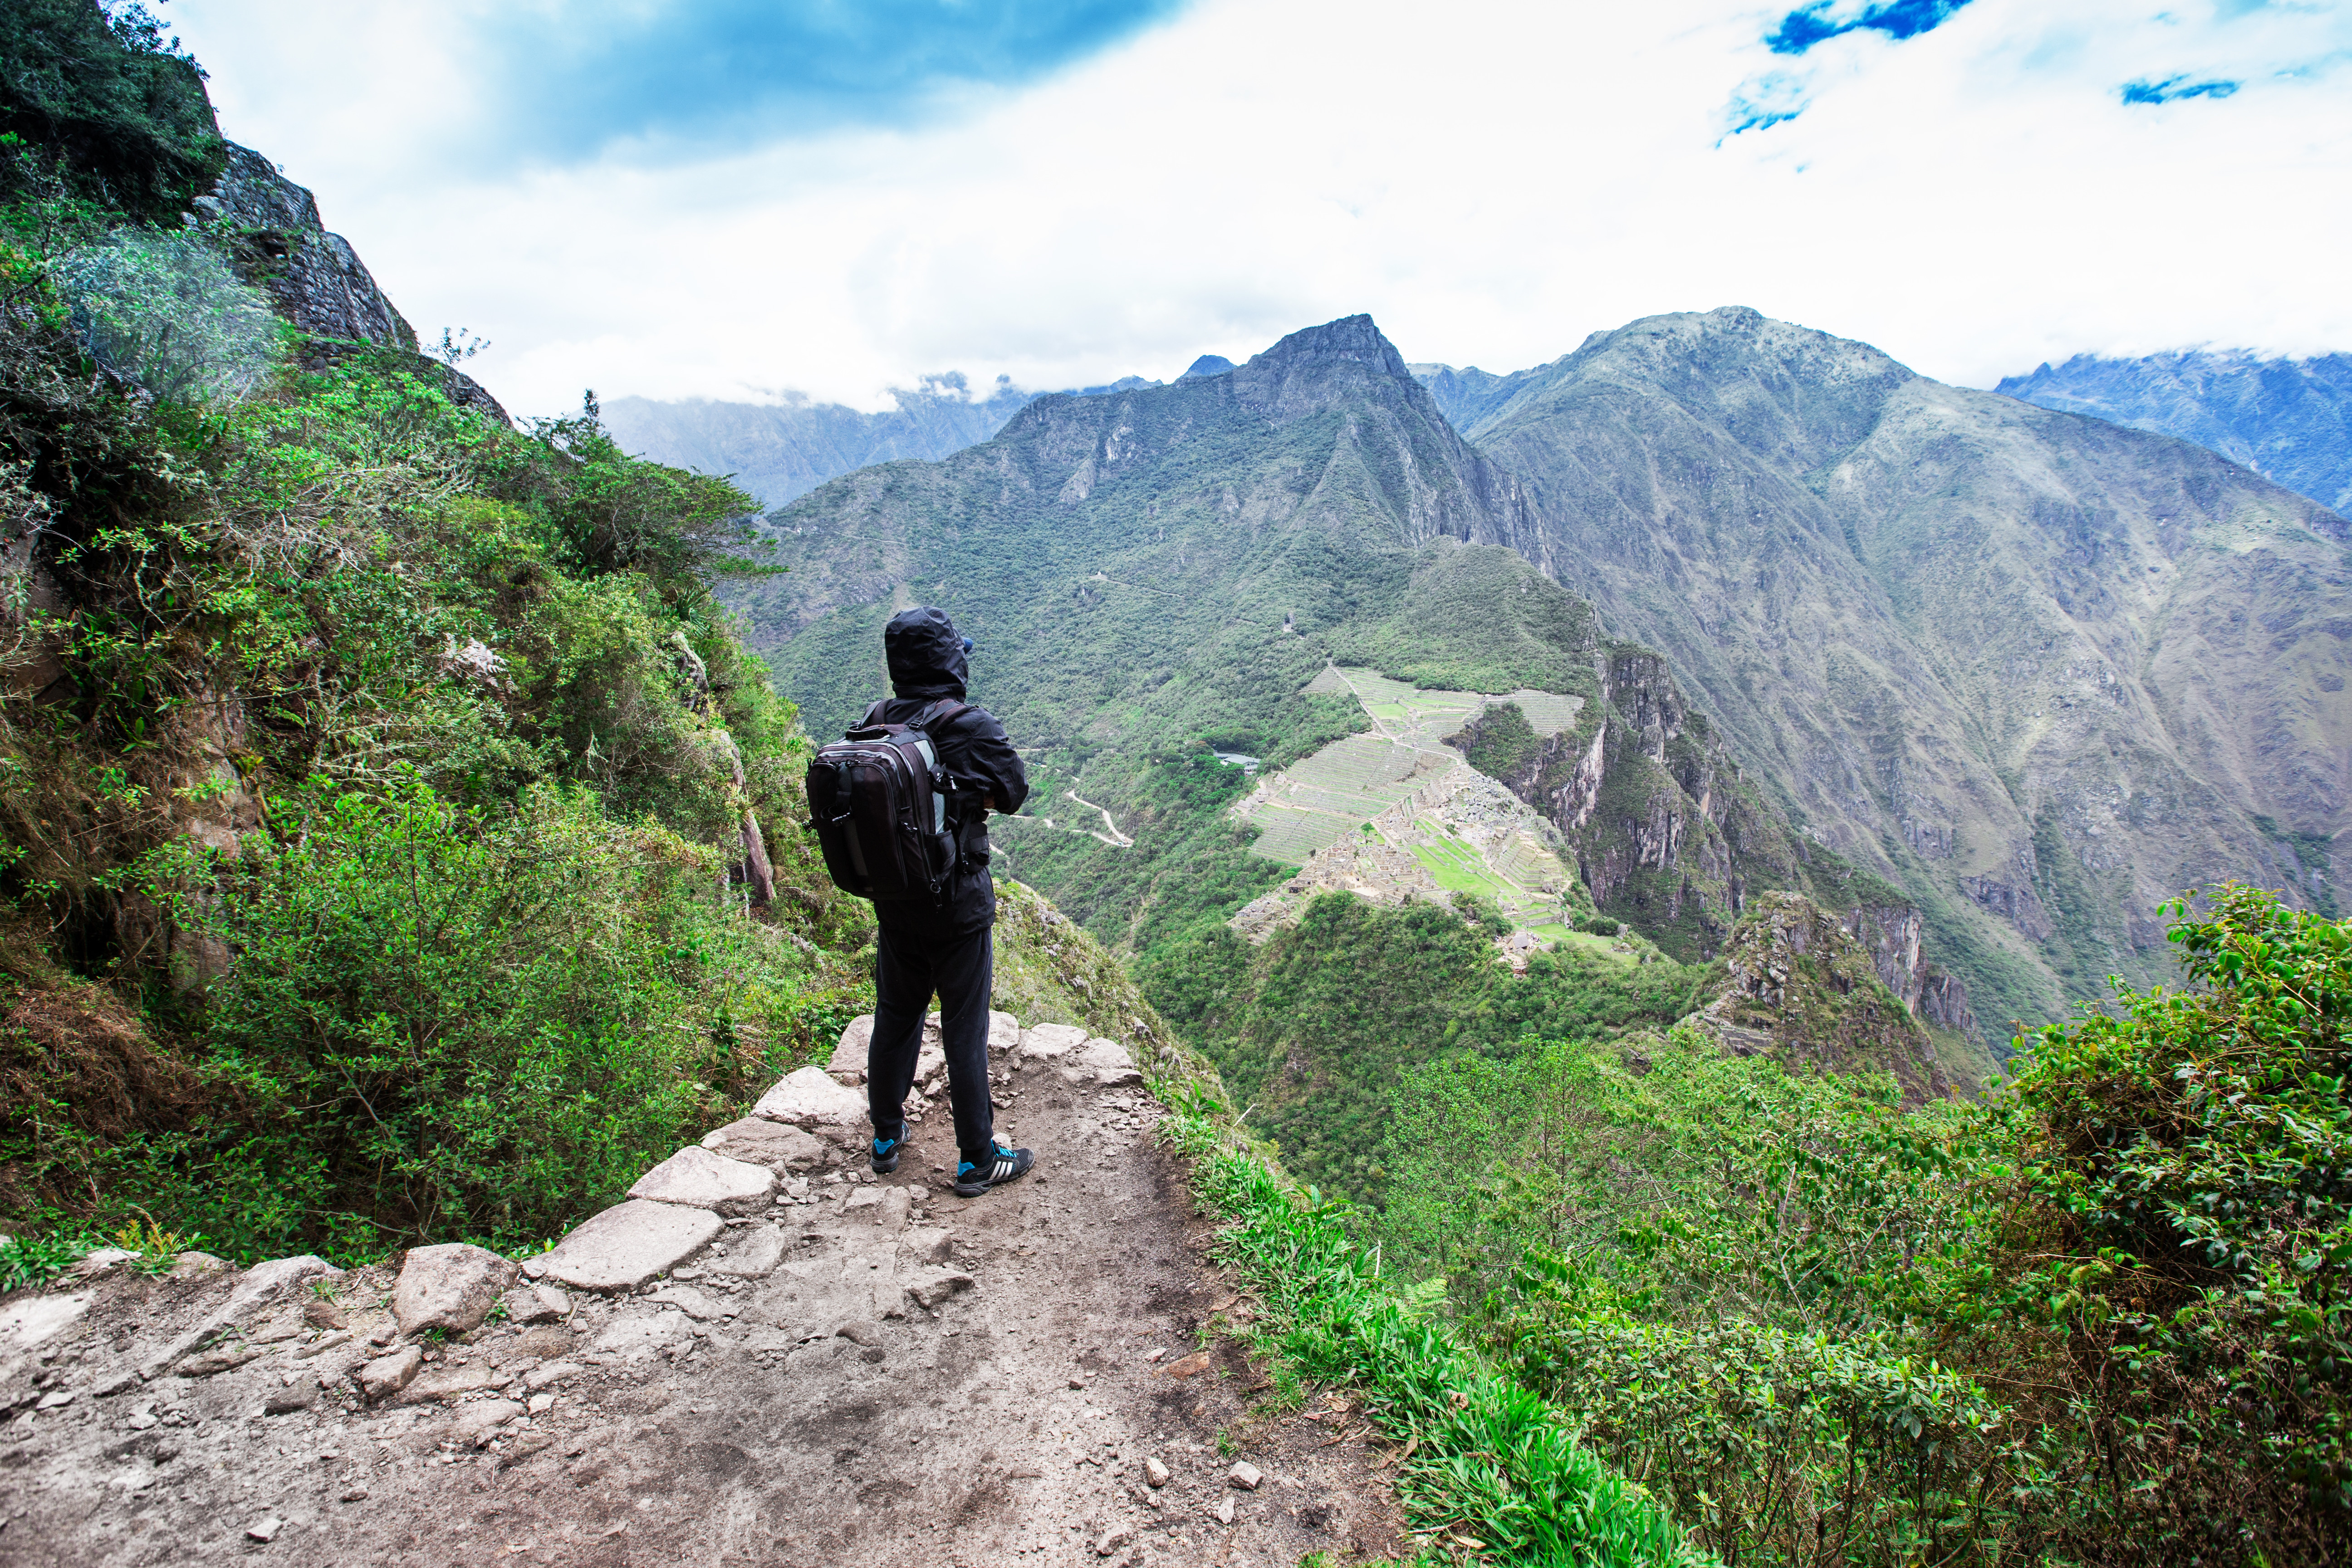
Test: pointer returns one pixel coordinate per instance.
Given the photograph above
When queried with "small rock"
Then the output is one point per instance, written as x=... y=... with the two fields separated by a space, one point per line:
x=863 y=1198
x=266 y=1531
x=1154 y=1473
x=935 y=1287
x=810 y=1098
x=385 y=1333
x=1078 y=1383
x=98 y=1260
x=318 y=1347
x=1225 y=1509
x=389 y=1374
x=555 y=1371
x=688 y=1299
x=451 y=1287
x=1155 y=1352
x=219 y=1359
x=477 y=1424
x=56 y=1399
x=188 y=1265
x=1245 y=1476
x=541 y=1404
x=1113 y=1539
x=529 y=1304
x=321 y=1313
x=121 y=1384
x=286 y=1401
x=355 y=1494
x=141 y=1420
x=1108 y=1061
x=701 y=1179
x=446 y=1382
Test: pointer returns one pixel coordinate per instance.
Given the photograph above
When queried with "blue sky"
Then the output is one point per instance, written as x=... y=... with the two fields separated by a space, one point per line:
x=731 y=199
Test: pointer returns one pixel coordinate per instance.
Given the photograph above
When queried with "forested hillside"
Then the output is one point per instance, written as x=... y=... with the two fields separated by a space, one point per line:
x=388 y=843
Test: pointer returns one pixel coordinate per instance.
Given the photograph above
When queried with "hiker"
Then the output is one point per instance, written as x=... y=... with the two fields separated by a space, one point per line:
x=944 y=945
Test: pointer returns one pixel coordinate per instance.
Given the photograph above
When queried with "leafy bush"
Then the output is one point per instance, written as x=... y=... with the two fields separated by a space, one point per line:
x=122 y=110
x=447 y=1024
x=164 y=311
x=1599 y=925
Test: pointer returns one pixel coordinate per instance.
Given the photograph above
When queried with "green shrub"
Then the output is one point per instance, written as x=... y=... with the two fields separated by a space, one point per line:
x=446 y=1024
x=164 y=311
x=1600 y=925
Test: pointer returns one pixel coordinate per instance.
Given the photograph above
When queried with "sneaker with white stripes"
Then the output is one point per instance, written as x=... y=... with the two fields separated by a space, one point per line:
x=999 y=1166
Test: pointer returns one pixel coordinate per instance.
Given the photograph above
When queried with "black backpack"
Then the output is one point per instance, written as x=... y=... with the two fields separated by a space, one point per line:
x=882 y=808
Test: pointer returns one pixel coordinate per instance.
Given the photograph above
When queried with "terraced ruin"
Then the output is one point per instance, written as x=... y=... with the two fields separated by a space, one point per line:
x=1395 y=812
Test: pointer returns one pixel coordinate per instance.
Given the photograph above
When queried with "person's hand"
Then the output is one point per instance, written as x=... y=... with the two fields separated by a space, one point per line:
x=988 y=802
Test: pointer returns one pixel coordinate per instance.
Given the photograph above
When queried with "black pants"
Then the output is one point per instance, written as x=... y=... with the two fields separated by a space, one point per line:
x=907 y=969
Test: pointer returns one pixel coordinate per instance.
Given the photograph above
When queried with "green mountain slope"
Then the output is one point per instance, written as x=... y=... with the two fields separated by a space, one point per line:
x=2037 y=672
x=1152 y=576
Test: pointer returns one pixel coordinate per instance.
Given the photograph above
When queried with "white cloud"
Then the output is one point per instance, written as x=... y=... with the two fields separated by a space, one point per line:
x=1491 y=181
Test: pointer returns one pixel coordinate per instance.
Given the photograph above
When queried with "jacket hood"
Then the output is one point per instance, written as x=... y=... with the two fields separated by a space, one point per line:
x=926 y=654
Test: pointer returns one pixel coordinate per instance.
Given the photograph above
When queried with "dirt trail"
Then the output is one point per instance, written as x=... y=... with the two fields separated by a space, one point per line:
x=789 y=1399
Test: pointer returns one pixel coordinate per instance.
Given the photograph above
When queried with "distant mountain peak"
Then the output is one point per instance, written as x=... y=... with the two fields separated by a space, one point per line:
x=1207 y=364
x=1350 y=338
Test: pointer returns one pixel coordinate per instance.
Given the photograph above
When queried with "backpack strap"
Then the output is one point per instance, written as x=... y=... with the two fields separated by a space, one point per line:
x=946 y=707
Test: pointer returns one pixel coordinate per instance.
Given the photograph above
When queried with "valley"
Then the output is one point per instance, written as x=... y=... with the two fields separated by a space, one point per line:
x=1709 y=952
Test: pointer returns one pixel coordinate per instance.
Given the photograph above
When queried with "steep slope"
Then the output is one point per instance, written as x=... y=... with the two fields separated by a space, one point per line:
x=2290 y=420
x=781 y=451
x=2040 y=672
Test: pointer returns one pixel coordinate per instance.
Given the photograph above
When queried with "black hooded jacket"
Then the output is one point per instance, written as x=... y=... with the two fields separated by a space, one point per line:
x=927 y=663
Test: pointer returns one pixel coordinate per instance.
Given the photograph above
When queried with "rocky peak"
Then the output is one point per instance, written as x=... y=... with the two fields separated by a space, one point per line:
x=1323 y=367
x=1800 y=985
x=317 y=282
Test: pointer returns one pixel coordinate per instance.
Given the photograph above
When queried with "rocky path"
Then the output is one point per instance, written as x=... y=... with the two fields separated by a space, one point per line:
x=767 y=1355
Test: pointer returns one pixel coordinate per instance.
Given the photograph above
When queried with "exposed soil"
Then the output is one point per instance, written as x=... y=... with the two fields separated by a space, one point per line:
x=718 y=1419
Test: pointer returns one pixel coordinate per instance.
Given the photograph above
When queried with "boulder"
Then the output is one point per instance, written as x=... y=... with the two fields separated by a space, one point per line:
x=778 y=1145
x=1051 y=1042
x=1109 y=1062
x=262 y=1287
x=451 y=1287
x=810 y=1098
x=689 y=1300
x=389 y=1374
x=627 y=1245
x=848 y=1060
x=1003 y=1033
x=701 y=1179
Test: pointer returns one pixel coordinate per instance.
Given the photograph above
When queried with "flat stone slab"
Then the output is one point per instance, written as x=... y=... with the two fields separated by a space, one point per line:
x=778 y=1145
x=627 y=1245
x=848 y=1060
x=701 y=1179
x=1051 y=1042
x=451 y=1287
x=810 y=1098
x=752 y=1254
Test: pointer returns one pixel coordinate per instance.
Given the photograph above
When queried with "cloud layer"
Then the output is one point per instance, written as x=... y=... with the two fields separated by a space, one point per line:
x=1070 y=195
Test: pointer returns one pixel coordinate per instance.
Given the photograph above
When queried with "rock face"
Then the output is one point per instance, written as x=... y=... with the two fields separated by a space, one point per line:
x=1798 y=986
x=315 y=278
x=451 y=1288
x=627 y=1245
x=701 y=1179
